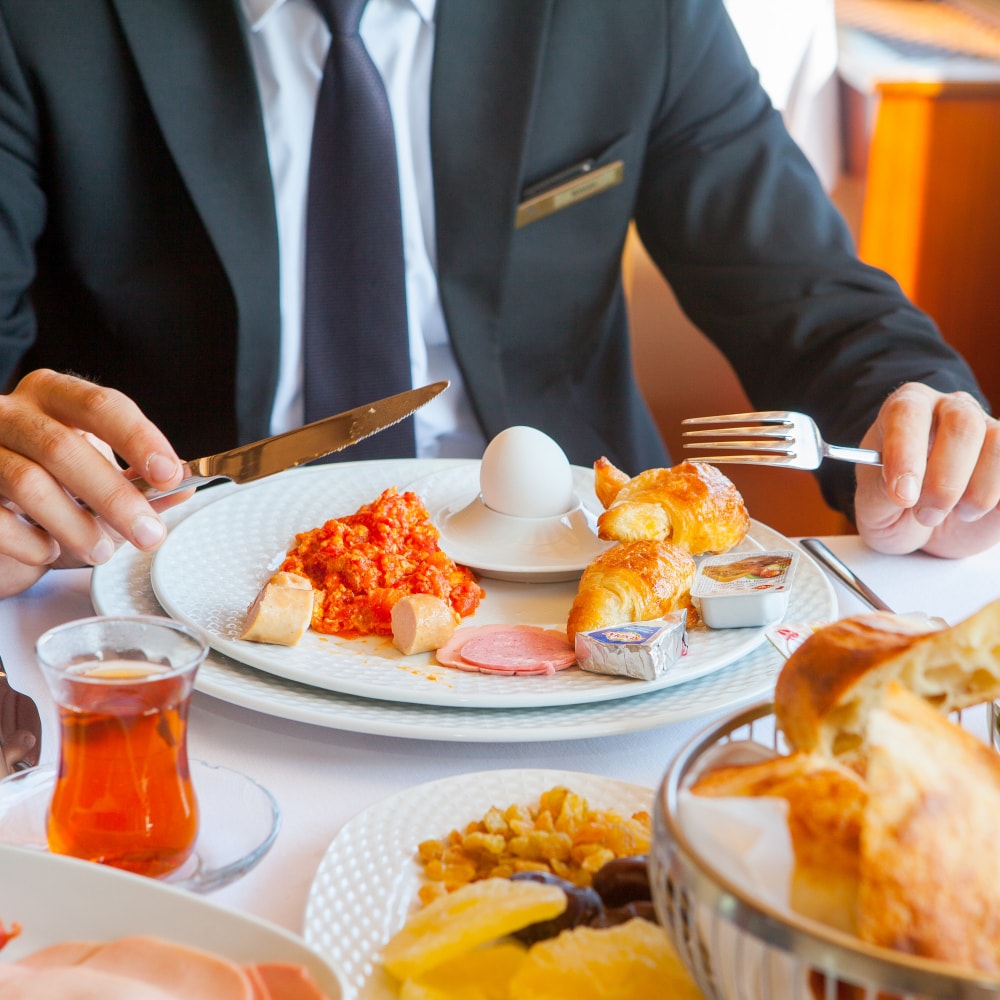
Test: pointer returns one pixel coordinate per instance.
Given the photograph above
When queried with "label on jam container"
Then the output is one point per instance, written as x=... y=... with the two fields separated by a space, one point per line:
x=641 y=650
x=740 y=589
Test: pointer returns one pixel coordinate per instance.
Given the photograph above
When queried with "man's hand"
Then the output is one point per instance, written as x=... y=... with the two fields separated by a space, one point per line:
x=57 y=433
x=939 y=485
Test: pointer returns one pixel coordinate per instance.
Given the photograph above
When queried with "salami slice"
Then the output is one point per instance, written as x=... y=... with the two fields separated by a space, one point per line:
x=508 y=649
x=449 y=655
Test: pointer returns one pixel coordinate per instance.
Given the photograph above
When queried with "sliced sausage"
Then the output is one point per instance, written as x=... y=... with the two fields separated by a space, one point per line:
x=508 y=649
x=421 y=622
x=281 y=612
x=449 y=655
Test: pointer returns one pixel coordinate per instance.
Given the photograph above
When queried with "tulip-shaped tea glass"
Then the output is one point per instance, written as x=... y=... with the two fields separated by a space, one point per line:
x=123 y=794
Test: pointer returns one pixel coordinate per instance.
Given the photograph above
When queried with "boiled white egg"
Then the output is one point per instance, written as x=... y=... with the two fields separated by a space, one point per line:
x=524 y=473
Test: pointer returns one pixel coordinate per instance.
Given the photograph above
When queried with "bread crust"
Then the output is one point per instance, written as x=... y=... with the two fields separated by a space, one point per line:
x=826 y=803
x=915 y=866
x=828 y=685
x=930 y=853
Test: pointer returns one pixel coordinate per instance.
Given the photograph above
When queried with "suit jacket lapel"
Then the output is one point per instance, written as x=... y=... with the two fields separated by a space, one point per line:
x=193 y=62
x=485 y=73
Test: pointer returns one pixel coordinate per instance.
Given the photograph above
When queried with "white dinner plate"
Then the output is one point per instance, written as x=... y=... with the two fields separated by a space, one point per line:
x=56 y=899
x=213 y=564
x=122 y=586
x=367 y=882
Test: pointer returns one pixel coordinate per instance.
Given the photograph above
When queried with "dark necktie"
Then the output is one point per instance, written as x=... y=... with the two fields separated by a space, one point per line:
x=356 y=347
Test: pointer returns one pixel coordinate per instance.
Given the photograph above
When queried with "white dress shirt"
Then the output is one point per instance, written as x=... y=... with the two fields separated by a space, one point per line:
x=288 y=44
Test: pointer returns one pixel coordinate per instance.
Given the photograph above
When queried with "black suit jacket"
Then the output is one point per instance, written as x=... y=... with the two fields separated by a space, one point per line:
x=135 y=205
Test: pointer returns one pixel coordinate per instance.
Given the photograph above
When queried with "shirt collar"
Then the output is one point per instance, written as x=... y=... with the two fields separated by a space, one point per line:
x=256 y=11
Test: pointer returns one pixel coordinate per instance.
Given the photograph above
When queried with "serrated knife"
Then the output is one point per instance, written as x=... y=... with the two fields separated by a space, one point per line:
x=250 y=462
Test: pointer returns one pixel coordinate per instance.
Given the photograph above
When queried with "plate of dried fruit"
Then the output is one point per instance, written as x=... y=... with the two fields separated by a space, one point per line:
x=370 y=879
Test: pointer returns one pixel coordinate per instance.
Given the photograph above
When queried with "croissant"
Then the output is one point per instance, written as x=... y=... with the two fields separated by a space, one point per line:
x=608 y=480
x=692 y=504
x=632 y=581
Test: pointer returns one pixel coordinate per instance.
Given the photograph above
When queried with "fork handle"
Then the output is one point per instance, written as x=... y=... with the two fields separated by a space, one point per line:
x=859 y=456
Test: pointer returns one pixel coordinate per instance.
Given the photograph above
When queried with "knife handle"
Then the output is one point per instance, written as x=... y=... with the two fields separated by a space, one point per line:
x=189 y=481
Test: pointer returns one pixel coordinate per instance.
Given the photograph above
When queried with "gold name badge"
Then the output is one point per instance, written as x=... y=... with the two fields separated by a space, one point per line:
x=585 y=185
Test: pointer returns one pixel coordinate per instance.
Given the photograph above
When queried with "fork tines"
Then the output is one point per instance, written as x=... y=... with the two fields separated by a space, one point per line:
x=766 y=436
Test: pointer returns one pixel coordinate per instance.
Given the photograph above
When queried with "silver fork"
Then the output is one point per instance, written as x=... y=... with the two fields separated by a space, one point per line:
x=770 y=437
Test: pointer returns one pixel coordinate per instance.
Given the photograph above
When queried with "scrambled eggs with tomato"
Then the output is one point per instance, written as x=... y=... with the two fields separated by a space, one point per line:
x=360 y=565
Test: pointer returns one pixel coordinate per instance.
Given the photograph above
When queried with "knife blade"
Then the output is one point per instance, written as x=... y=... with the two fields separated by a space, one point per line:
x=20 y=729
x=250 y=462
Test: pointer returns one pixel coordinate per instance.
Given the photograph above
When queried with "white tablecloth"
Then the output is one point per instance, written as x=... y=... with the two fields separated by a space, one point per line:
x=322 y=777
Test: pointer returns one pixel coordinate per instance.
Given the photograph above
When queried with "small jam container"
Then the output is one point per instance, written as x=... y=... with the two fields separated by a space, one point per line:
x=640 y=650
x=744 y=589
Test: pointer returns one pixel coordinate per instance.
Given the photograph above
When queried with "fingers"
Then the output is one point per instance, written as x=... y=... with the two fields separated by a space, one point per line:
x=982 y=495
x=940 y=481
x=110 y=416
x=905 y=426
x=932 y=449
x=16 y=576
x=45 y=461
x=17 y=746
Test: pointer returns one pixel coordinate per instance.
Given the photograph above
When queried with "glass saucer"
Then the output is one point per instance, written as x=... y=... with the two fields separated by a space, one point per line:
x=239 y=821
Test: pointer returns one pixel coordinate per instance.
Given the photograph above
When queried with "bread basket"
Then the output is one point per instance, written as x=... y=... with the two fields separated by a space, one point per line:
x=738 y=947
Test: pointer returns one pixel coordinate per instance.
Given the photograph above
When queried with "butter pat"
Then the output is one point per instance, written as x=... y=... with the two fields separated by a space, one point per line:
x=744 y=589
x=641 y=650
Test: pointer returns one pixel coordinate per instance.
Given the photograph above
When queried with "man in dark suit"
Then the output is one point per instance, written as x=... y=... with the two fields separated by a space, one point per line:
x=139 y=248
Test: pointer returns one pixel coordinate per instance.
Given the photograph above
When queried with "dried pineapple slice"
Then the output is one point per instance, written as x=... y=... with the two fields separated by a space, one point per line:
x=482 y=974
x=631 y=961
x=455 y=924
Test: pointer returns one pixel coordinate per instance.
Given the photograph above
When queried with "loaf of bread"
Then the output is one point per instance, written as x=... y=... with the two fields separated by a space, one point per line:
x=914 y=862
x=632 y=581
x=829 y=685
x=825 y=802
x=929 y=874
x=692 y=504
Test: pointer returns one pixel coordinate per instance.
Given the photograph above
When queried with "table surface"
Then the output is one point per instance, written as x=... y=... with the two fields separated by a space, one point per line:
x=322 y=777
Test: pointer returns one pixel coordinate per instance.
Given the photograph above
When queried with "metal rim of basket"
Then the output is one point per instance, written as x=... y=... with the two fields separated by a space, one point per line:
x=821 y=947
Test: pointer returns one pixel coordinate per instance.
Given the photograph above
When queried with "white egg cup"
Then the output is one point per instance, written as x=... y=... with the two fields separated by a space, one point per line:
x=523 y=513
x=506 y=547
